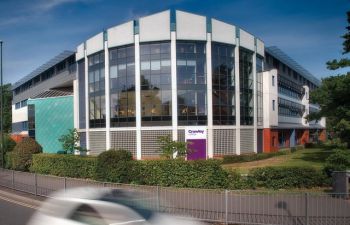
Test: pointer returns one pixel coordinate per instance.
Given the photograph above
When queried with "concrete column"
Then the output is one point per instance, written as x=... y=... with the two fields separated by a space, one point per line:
x=138 y=96
x=255 y=111
x=237 y=101
x=174 y=86
x=210 y=145
x=107 y=98
x=87 y=124
x=292 y=138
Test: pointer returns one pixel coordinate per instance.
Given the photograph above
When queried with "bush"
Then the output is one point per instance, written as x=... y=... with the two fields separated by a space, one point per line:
x=64 y=165
x=180 y=173
x=114 y=166
x=334 y=144
x=250 y=157
x=9 y=143
x=337 y=161
x=288 y=177
x=237 y=181
x=22 y=154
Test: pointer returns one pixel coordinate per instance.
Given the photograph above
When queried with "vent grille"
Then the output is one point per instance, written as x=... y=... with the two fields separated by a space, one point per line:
x=97 y=142
x=224 y=141
x=149 y=138
x=124 y=140
x=247 y=141
x=181 y=135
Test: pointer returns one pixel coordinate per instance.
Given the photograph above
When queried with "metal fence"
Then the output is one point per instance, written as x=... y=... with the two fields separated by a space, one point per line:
x=226 y=206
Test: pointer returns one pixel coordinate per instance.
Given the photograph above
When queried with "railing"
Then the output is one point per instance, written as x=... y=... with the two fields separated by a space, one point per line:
x=226 y=206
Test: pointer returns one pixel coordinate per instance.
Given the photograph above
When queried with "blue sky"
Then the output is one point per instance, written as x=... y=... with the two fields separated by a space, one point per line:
x=34 y=31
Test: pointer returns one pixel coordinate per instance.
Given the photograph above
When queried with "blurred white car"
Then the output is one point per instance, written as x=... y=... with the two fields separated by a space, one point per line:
x=101 y=206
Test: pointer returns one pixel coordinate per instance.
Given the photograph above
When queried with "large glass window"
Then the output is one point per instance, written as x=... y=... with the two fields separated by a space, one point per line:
x=155 y=74
x=122 y=86
x=97 y=108
x=191 y=83
x=223 y=79
x=246 y=86
x=259 y=90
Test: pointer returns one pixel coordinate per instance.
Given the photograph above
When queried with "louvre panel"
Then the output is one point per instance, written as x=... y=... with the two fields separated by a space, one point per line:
x=149 y=139
x=181 y=135
x=247 y=141
x=224 y=141
x=124 y=140
x=97 y=142
x=83 y=139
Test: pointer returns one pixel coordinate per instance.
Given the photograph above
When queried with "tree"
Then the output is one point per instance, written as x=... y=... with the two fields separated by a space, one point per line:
x=333 y=95
x=168 y=147
x=70 y=141
x=7 y=108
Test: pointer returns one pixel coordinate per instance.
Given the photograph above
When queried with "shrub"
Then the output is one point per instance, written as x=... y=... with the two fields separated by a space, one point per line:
x=114 y=166
x=337 y=161
x=334 y=143
x=9 y=143
x=70 y=141
x=237 y=181
x=250 y=157
x=288 y=177
x=64 y=165
x=180 y=173
x=22 y=154
x=168 y=147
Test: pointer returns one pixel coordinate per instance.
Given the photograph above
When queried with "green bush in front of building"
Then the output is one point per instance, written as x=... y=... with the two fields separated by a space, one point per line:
x=21 y=156
x=337 y=161
x=64 y=165
x=251 y=157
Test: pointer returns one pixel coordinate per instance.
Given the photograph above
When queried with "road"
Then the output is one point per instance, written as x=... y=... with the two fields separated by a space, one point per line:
x=14 y=212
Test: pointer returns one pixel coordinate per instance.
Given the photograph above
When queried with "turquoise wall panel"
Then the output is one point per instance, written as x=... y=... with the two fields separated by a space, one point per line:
x=53 y=118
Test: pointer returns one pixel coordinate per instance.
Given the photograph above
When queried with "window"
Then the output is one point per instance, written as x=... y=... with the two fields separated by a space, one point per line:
x=155 y=84
x=223 y=84
x=191 y=83
x=246 y=86
x=122 y=86
x=96 y=88
x=23 y=103
x=25 y=125
x=273 y=80
x=273 y=105
x=18 y=105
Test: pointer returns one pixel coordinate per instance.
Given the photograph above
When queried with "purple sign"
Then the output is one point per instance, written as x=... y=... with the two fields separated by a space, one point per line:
x=197 y=149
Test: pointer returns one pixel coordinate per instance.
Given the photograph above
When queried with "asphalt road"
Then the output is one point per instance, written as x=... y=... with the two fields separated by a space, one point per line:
x=12 y=213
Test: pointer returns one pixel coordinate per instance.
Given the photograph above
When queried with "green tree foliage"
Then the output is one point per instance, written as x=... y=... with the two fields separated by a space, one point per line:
x=22 y=154
x=7 y=108
x=70 y=141
x=333 y=95
x=9 y=143
x=168 y=147
x=338 y=161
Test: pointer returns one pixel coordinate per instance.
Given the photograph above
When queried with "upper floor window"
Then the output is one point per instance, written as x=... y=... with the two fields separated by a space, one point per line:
x=273 y=80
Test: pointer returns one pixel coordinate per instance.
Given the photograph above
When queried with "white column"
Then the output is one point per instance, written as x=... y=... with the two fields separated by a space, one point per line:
x=76 y=103
x=138 y=96
x=174 y=85
x=237 y=102
x=107 y=98
x=255 y=111
x=87 y=124
x=210 y=145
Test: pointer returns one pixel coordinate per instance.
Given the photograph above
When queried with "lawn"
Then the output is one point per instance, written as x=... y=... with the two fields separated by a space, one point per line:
x=307 y=157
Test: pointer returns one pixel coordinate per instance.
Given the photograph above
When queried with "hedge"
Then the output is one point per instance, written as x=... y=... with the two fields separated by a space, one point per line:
x=339 y=160
x=64 y=165
x=22 y=154
x=251 y=157
x=180 y=173
x=288 y=177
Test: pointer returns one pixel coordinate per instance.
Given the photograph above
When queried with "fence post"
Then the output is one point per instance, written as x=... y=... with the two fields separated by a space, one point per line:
x=306 y=208
x=13 y=179
x=65 y=183
x=158 y=199
x=36 y=184
x=226 y=207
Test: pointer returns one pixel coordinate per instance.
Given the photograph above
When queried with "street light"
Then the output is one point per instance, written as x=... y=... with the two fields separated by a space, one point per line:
x=2 y=110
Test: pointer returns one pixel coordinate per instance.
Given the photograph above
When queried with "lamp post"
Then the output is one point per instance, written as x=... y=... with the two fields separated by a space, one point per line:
x=2 y=110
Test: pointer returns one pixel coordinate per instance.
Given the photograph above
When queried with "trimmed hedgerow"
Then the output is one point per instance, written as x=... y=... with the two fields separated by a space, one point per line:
x=114 y=166
x=180 y=173
x=251 y=157
x=288 y=177
x=64 y=165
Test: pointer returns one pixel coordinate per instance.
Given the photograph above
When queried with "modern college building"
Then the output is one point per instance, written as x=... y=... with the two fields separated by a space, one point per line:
x=172 y=73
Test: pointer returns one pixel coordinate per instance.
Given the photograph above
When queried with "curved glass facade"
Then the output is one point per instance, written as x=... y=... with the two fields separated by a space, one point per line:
x=122 y=86
x=96 y=81
x=155 y=84
x=223 y=80
x=191 y=83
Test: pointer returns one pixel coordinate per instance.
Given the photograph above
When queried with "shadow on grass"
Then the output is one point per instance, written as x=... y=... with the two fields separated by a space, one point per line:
x=316 y=157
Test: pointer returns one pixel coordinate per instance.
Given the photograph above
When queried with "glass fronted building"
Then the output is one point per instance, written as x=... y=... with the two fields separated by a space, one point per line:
x=176 y=73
